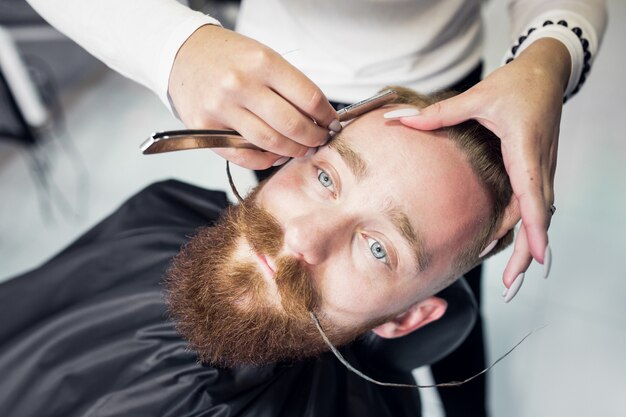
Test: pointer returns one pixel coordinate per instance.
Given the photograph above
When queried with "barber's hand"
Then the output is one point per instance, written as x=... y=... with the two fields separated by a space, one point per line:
x=521 y=103
x=223 y=80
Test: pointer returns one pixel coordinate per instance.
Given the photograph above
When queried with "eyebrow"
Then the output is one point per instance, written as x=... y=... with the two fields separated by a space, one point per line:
x=399 y=219
x=402 y=223
x=351 y=158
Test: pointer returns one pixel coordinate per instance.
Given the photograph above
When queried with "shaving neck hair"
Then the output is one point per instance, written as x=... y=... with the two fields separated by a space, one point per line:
x=482 y=149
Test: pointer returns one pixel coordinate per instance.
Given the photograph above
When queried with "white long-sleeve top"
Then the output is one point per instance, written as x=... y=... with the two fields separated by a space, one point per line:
x=350 y=48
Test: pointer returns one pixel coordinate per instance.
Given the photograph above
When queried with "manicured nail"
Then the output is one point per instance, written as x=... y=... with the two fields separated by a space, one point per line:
x=310 y=152
x=335 y=126
x=506 y=290
x=280 y=161
x=489 y=248
x=395 y=114
x=547 y=261
x=514 y=288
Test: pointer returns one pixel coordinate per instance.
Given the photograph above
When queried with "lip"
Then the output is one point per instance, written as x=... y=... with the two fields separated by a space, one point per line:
x=266 y=265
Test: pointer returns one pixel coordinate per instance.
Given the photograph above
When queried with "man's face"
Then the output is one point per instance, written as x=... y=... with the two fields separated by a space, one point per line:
x=378 y=217
x=358 y=233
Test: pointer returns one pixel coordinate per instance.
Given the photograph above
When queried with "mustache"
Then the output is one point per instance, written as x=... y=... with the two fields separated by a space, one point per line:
x=293 y=279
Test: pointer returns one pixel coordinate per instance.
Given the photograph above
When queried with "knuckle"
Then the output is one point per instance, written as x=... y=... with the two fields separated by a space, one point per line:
x=232 y=82
x=293 y=128
x=262 y=58
x=268 y=140
x=518 y=252
x=301 y=152
x=316 y=101
x=436 y=108
x=198 y=122
x=207 y=117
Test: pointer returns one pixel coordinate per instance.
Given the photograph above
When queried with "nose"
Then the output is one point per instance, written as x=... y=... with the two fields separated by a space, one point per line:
x=313 y=237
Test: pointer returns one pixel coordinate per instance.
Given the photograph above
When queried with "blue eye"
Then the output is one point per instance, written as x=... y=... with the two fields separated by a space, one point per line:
x=377 y=250
x=324 y=178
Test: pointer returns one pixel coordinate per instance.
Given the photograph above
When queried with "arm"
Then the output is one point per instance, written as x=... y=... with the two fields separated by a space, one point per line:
x=138 y=38
x=212 y=77
x=521 y=103
x=222 y=79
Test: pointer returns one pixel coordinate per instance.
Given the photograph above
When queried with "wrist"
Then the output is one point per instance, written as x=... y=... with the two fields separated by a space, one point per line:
x=573 y=33
x=551 y=57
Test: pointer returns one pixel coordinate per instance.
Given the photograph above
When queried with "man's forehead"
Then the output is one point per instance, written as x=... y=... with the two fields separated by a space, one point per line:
x=360 y=129
x=371 y=142
x=373 y=127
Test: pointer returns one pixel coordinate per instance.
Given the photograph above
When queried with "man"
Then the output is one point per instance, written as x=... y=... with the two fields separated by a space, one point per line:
x=362 y=233
x=338 y=234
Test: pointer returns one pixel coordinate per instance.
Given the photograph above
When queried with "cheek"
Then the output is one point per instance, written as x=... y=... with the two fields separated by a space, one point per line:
x=349 y=298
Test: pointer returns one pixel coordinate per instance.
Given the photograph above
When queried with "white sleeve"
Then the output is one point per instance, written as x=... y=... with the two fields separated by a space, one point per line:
x=578 y=24
x=137 y=38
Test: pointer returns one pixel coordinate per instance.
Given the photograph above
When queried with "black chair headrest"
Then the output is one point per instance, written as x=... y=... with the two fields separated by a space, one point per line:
x=429 y=343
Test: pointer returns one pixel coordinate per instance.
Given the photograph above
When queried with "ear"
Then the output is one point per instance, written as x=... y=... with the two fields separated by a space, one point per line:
x=418 y=315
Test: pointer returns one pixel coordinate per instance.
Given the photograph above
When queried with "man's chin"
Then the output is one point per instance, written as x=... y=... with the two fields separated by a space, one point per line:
x=257 y=338
x=225 y=310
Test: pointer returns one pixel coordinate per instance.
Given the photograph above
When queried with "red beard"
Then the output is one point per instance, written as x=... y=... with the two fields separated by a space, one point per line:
x=220 y=304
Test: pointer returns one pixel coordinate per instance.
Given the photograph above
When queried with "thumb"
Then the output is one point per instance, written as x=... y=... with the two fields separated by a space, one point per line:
x=448 y=112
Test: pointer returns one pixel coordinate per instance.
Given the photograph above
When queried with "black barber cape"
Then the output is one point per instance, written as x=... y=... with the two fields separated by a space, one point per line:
x=86 y=334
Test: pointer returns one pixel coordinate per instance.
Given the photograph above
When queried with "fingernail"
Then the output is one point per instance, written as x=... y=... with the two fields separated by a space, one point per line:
x=280 y=161
x=395 y=114
x=335 y=126
x=310 y=152
x=547 y=261
x=328 y=137
x=488 y=249
x=514 y=288
x=506 y=290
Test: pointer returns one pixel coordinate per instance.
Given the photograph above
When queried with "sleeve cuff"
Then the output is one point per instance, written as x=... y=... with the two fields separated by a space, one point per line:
x=573 y=32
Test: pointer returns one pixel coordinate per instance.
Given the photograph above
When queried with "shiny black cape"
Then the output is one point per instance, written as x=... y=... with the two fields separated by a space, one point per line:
x=87 y=334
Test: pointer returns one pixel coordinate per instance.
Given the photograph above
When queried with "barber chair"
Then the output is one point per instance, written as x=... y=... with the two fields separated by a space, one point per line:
x=393 y=360
x=86 y=334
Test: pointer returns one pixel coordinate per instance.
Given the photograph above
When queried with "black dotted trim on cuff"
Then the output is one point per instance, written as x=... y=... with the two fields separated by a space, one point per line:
x=583 y=42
